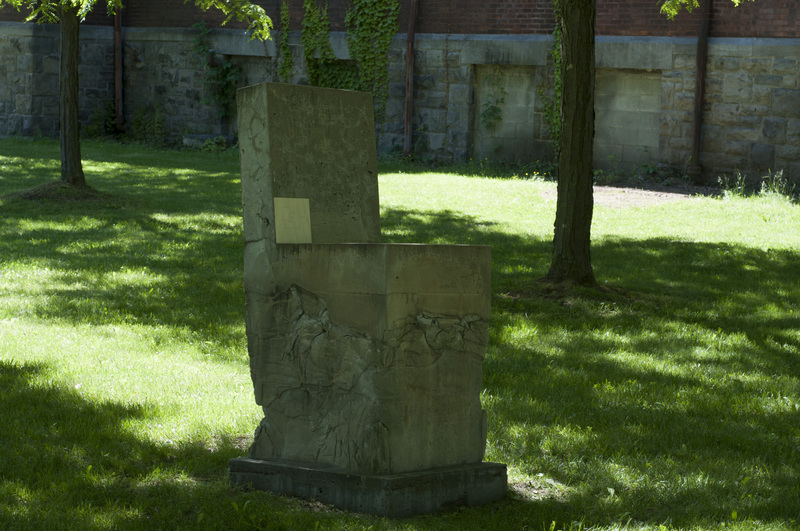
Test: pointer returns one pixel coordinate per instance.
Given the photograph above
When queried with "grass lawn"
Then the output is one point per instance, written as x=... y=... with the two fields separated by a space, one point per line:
x=670 y=399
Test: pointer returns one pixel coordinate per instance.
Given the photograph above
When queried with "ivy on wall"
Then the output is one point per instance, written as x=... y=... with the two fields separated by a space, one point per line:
x=222 y=76
x=316 y=41
x=286 y=64
x=371 y=24
x=492 y=110
x=551 y=107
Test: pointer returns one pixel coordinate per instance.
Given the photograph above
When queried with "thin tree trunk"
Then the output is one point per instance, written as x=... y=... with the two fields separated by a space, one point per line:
x=69 y=129
x=571 y=257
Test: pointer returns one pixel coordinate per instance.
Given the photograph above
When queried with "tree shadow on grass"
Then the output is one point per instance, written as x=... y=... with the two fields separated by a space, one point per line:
x=168 y=255
x=149 y=179
x=66 y=460
x=673 y=398
x=669 y=396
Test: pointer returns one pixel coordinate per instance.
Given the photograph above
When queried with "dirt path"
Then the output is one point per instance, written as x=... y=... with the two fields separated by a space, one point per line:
x=622 y=197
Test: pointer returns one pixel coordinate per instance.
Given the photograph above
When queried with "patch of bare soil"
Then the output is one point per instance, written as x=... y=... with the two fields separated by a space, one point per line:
x=538 y=489
x=59 y=191
x=639 y=195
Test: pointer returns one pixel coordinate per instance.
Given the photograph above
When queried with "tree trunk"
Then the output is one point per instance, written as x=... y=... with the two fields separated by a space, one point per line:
x=69 y=129
x=571 y=258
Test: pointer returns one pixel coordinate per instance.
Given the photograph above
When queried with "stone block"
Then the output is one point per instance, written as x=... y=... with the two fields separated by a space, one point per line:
x=345 y=392
x=762 y=156
x=774 y=129
x=737 y=87
x=787 y=153
x=430 y=60
x=714 y=86
x=723 y=63
x=724 y=114
x=793 y=129
x=392 y=496
x=431 y=119
x=747 y=134
x=786 y=102
x=684 y=63
x=712 y=138
x=503 y=52
x=436 y=141
x=762 y=95
x=366 y=358
x=757 y=65
x=633 y=55
x=769 y=80
x=680 y=143
x=784 y=66
x=23 y=104
x=751 y=121
x=460 y=93
x=737 y=148
x=42 y=45
x=684 y=101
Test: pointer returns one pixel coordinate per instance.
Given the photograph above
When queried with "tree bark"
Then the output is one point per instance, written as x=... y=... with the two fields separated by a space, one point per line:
x=571 y=255
x=69 y=128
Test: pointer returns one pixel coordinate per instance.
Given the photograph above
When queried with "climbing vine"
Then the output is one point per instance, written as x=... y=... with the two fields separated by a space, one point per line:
x=371 y=24
x=323 y=69
x=551 y=107
x=286 y=64
x=492 y=109
x=222 y=76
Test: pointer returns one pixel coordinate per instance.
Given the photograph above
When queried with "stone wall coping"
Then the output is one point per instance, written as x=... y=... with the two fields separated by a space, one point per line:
x=30 y=29
x=510 y=49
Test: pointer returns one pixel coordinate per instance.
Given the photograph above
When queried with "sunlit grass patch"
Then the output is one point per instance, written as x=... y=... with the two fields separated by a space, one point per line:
x=669 y=399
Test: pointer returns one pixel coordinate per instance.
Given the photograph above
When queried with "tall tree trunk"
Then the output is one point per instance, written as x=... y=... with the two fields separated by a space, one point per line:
x=69 y=129
x=571 y=258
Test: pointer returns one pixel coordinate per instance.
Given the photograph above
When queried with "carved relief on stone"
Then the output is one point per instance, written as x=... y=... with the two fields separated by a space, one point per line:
x=333 y=395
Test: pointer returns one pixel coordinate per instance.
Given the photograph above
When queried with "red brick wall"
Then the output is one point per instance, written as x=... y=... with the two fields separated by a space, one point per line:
x=97 y=17
x=762 y=18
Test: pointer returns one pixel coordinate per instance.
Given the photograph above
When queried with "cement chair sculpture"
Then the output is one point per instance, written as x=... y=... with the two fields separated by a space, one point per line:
x=366 y=357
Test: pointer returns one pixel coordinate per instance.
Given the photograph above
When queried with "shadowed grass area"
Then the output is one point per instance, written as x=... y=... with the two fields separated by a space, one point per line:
x=668 y=399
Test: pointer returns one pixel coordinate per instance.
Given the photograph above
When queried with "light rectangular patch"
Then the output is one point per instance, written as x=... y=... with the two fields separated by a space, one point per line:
x=292 y=220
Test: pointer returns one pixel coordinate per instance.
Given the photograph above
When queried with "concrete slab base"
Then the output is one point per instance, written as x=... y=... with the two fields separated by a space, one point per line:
x=392 y=495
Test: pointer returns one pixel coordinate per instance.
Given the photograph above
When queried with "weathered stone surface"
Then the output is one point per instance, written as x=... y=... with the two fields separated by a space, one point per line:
x=162 y=71
x=774 y=128
x=757 y=65
x=334 y=395
x=784 y=65
x=365 y=357
x=787 y=102
x=392 y=495
x=763 y=156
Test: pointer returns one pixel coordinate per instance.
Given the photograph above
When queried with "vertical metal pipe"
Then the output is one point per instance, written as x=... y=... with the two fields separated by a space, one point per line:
x=412 y=18
x=695 y=171
x=119 y=120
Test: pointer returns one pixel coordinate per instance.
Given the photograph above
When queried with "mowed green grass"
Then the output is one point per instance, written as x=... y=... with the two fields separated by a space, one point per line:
x=669 y=399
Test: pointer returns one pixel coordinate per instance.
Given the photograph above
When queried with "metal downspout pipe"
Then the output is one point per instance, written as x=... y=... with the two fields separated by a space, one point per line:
x=119 y=120
x=412 y=18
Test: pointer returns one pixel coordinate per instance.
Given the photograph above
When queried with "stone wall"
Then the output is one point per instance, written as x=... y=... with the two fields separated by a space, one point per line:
x=645 y=97
x=645 y=87
x=627 y=114
x=165 y=81
x=507 y=124
x=29 y=70
x=752 y=107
